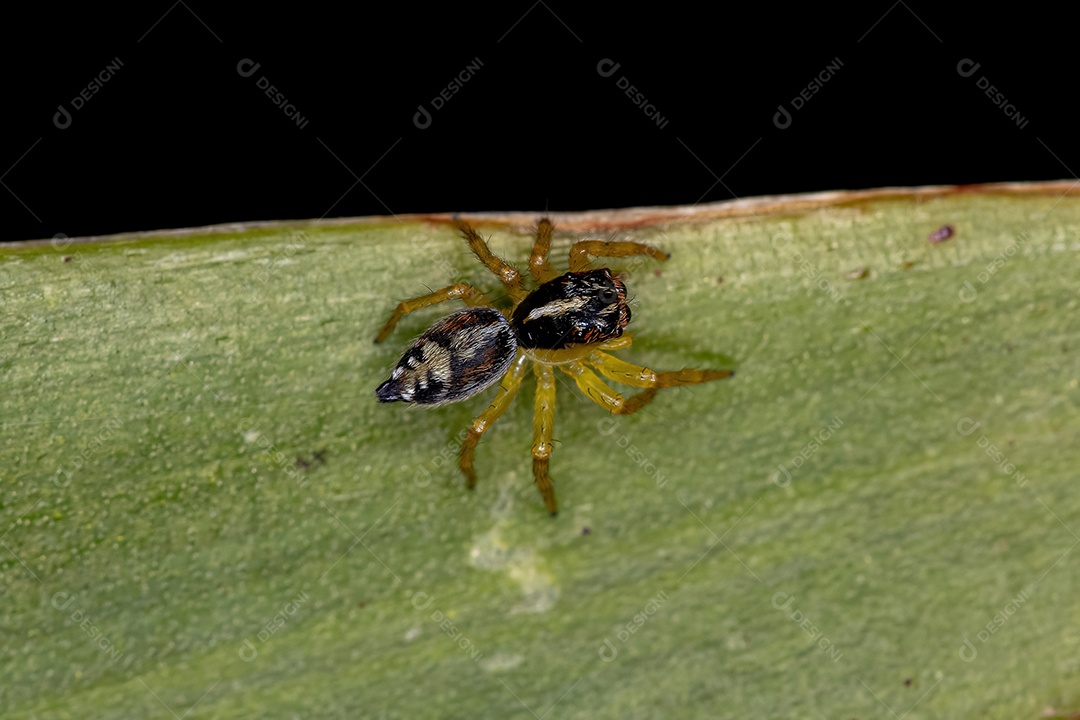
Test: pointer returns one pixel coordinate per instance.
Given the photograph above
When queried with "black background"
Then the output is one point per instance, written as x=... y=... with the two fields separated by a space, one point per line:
x=177 y=137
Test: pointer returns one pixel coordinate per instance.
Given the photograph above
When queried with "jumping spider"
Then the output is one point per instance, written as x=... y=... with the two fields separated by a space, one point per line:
x=569 y=321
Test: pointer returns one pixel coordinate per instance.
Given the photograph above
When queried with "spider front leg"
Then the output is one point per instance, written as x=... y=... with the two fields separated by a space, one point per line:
x=543 y=431
x=580 y=252
x=464 y=291
x=511 y=382
x=539 y=267
x=508 y=275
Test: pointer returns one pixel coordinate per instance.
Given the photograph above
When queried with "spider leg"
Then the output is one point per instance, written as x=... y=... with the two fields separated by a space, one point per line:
x=466 y=292
x=600 y=393
x=511 y=382
x=580 y=251
x=539 y=267
x=543 y=429
x=639 y=376
x=508 y=275
x=620 y=343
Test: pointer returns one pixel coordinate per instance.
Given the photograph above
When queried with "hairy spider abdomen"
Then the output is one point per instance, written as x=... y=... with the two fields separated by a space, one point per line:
x=462 y=354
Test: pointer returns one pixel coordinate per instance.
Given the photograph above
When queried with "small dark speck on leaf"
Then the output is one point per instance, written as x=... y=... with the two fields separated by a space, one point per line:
x=942 y=234
x=586 y=530
x=720 y=280
x=657 y=273
x=69 y=258
x=318 y=457
x=907 y=265
x=907 y=682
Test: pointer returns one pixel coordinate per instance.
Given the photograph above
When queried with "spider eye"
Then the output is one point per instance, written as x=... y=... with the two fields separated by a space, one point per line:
x=608 y=296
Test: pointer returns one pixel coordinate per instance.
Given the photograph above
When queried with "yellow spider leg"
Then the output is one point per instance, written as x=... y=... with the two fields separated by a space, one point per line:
x=619 y=343
x=464 y=291
x=539 y=266
x=598 y=391
x=507 y=273
x=543 y=430
x=638 y=376
x=580 y=251
x=507 y=391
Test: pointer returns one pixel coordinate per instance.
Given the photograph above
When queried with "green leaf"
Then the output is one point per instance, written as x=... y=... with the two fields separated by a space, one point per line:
x=206 y=513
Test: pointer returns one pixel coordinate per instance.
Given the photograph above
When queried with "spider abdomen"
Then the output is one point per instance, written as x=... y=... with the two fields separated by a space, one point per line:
x=572 y=309
x=457 y=357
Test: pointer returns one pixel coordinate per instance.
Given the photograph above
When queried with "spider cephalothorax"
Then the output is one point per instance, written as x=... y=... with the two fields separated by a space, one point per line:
x=568 y=322
x=573 y=309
